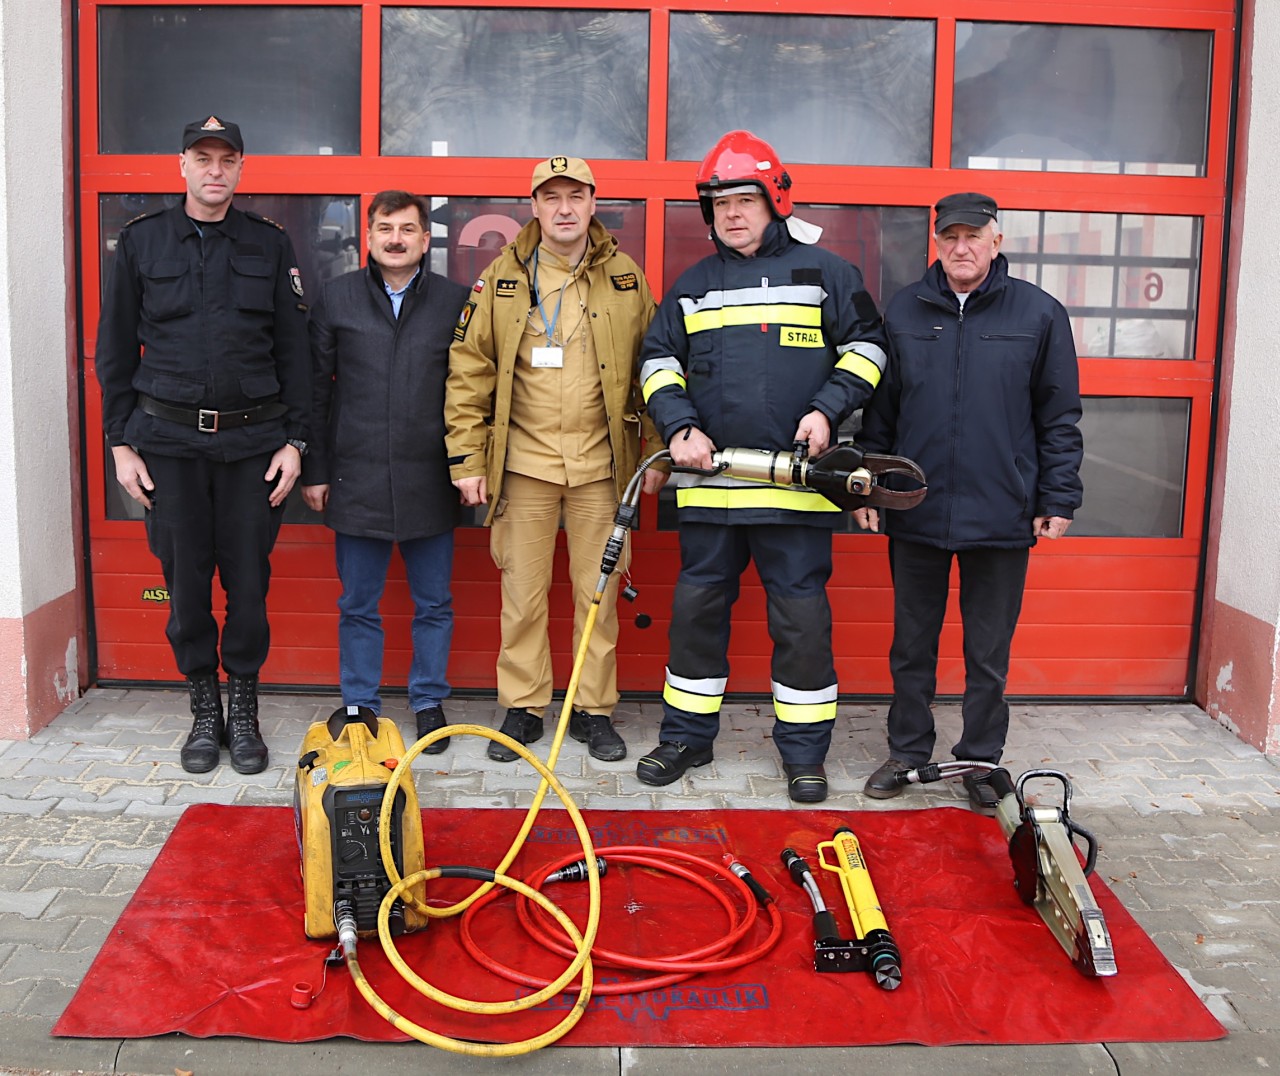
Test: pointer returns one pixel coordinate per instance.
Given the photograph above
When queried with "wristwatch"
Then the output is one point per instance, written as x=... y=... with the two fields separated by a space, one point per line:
x=301 y=446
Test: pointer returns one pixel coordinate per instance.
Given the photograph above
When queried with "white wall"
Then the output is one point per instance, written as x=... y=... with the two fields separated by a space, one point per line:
x=37 y=551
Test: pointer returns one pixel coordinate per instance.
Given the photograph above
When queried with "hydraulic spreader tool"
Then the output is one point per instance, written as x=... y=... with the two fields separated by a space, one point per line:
x=848 y=477
x=1046 y=868
x=872 y=949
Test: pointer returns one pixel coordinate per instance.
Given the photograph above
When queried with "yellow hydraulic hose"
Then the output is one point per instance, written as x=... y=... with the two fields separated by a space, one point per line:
x=400 y=888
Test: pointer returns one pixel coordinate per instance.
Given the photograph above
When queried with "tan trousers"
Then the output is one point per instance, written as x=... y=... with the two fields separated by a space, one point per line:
x=523 y=543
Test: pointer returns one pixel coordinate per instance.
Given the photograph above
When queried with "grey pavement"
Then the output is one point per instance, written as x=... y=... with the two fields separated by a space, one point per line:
x=1188 y=818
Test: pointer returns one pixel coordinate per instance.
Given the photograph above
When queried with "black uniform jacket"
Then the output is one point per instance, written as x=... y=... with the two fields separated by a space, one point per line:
x=987 y=400
x=214 y=321
x=379 y=405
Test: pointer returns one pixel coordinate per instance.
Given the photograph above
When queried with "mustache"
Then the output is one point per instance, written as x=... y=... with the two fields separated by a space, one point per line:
x=395 y=248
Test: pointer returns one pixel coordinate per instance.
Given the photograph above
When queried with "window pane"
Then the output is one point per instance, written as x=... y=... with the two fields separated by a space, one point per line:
x=514 y=83
x=325 y=231
x=1081 y=98
x=468 y=233
x=821 y=90
x=888 y=243
x=1129 y=281
x=289 y=76
x=1134 y=472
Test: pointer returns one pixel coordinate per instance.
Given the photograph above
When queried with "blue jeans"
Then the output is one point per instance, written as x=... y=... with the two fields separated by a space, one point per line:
x=362 y=568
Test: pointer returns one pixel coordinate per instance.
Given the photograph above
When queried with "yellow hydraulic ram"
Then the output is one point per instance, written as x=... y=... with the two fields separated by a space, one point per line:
x=874 y=950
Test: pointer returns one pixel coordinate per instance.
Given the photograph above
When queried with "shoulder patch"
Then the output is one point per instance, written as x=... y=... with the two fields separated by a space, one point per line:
x=464 y=321
x=478 y=286
x=806 y=276
x=265 y=220
x=625 y=282
x=505 y=289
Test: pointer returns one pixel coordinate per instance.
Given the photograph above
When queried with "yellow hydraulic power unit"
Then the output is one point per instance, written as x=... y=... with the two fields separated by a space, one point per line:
x=344 y=768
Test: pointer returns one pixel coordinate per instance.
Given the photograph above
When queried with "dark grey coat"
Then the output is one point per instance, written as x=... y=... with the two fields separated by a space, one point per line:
x=378 y=416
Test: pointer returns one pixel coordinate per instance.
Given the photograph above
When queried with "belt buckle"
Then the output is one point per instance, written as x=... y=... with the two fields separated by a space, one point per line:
x=207 y=421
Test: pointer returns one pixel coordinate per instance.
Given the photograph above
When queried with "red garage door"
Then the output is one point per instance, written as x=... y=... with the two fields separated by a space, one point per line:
x=1102 y=132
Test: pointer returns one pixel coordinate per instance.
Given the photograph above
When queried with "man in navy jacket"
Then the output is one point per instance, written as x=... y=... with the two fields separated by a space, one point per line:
x=380 y=341
x=982 y=390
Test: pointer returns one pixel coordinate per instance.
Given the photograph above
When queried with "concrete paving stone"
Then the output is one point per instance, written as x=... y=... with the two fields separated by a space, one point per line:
x=1123 y=751
x=28 y=903
x=70 y=854
x=50 y=788
x=136 y=793
x=142 y=809
x=170 y=769
x=186 y=794
x=161 y=740
x=115 y=855
x=28 y=807
x=12 y=995
x=468 y=800
x=125 y=881
x=1143 y=805
x=52 y=751
x=46 y=931
x=99 y=808
x=87 y=879
x=90 y=934
x=74 y=904
x=1205 y=869
x=47 y=998
x=1160 y=895
x=1258 y=1013
x=1228 y=1057
x=32 y=962
x=115 y=771
x=267 y=797
x=99 y=752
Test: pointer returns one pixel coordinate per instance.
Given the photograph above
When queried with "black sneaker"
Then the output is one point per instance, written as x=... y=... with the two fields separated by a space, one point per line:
x=428 y=721
x=668 y=761
x=982 y=797
x=521 y=726
x=598 y=733
x=806 y=783
x=883 y=784
x=204 y=742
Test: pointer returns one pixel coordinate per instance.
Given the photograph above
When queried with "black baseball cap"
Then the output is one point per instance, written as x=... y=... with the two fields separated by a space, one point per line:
x=967 y=208
x=212 y=128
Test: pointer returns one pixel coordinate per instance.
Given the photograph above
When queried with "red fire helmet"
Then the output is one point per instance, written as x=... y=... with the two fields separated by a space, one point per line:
x=738 y=159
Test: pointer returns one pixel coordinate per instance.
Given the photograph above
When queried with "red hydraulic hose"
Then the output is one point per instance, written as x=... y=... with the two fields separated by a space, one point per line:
x=714 y=956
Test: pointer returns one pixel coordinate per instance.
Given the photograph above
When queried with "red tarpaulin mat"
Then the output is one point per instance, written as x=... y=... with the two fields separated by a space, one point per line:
x=212 y=942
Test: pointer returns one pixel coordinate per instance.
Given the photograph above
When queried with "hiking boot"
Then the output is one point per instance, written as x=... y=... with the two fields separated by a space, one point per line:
x=806 y=783
x=427 y=721
x=204 y=742
x=598 y=733
x=668 y=761
x=244 y=741
x=521 y=726
x=982 y=797
x=883 y=784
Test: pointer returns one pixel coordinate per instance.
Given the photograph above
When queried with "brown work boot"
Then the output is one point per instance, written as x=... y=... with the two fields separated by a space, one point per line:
x=204 y=743
x=248 y=752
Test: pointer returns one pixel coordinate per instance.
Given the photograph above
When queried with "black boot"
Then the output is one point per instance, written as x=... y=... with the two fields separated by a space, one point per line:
x=200 y=752
x=248 y=752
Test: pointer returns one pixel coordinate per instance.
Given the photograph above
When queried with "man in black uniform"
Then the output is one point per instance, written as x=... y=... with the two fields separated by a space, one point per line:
x=205 y=371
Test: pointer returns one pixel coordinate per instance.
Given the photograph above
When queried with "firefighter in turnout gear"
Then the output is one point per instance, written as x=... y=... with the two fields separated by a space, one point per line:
x=768 y=341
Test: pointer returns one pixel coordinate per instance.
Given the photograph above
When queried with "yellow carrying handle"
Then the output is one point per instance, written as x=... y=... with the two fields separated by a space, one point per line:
x=855 y=880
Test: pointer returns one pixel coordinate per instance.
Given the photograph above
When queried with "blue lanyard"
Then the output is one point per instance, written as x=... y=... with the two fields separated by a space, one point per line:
x=549 y=326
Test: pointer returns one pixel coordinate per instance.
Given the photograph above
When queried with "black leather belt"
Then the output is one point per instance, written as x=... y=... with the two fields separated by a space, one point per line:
x=211 y=421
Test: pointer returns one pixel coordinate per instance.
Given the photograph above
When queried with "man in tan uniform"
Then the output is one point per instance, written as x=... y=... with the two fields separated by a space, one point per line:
x=542 y=420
